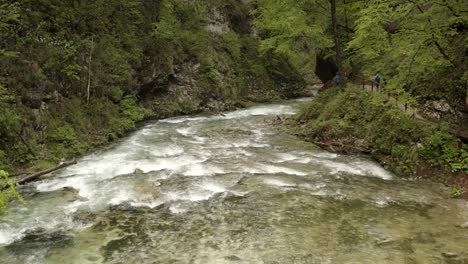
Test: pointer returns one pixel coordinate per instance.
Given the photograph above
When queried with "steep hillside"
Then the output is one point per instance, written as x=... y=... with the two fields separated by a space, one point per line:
x=75 y=75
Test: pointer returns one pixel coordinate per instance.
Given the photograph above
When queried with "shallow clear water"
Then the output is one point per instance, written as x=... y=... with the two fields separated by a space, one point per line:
x=231 y=189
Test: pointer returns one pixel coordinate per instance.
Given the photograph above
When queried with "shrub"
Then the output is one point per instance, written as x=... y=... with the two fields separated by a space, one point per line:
x=7 y=191
x=352 y=113
x=443 y=149
x=61 y=132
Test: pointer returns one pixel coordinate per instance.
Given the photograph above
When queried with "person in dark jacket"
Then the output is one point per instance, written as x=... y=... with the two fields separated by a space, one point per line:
x=338 y=79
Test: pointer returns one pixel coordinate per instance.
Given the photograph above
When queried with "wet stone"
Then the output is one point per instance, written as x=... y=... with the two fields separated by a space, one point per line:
x=232 y=258
x=384 y=241
x=449 y=254
x=41 y=239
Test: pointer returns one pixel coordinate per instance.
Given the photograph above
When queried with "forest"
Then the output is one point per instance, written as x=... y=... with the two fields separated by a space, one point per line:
x=79 y=74
x=233 y=131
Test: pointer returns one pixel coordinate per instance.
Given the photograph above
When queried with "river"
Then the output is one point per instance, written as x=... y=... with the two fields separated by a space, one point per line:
x=231 y=189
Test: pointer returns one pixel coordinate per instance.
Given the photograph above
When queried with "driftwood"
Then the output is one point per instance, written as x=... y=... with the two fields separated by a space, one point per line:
x=36 y=175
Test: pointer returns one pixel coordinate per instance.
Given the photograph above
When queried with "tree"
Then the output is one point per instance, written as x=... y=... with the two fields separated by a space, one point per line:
x=336 y=34
x=419 y=46
x=293 y=30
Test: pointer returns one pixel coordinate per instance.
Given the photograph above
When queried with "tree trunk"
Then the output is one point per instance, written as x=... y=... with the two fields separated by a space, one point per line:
x=348 y=37
x=90 y=58
x=36 y=175
x=336 y=35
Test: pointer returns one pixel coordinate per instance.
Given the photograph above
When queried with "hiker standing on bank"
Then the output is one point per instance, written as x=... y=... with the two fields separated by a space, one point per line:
x=377 y=79
x=338 y=79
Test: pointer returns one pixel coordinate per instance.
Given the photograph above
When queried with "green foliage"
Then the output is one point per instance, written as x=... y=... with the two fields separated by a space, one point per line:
x=457 y=192
x=232 y=44
x=353 y=115
x=292 y=32
x=77 y=75
x=7 y=192
x=417 y=45
x=61 y=132
x=443 y=149
x=130 y=109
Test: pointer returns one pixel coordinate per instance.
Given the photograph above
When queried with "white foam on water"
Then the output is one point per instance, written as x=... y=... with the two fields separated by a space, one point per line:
x=199 y=140
x=372 y=168
x=244 y=152
x=166 y=151
x=190 y=195
x=285 y=157
x=325 y=155
x=279 y=183
x=304 y=160
x=262 y=111
x=249 y=144
x=213 y=187
x=313 y=186
x=337 y=167
x=382 y=201
x=37 y=221
x=364 y=168
x=8 y=236
x=93 y=172
x=178 y=120
x=178 y=209
x=186 y=131
x=203 y=170
x=271 y=169
x=201 y=191
x=121 y=196
x=303 y=157
x=151 y=205
x=320 y=193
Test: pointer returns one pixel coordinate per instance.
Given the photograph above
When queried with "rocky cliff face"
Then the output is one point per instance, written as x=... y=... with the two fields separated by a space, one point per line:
x=228 y=68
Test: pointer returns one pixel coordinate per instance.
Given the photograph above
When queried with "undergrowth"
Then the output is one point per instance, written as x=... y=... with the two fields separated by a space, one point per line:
x=373 y=122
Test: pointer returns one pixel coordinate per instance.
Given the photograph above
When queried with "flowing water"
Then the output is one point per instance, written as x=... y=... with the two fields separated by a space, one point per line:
x=231 y=189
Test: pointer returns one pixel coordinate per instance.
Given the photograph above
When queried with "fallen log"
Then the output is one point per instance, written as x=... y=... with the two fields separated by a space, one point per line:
x=36 y=175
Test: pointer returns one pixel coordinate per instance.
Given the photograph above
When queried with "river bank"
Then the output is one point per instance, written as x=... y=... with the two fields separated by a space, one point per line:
x=357 y=121
x=213 y=107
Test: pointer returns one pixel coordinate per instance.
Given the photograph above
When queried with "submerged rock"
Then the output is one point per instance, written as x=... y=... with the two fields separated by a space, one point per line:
x=449 y=254
x=465 y=225
x=233 y=258
x=138 y=171
x=384 y=241
x=41 y=238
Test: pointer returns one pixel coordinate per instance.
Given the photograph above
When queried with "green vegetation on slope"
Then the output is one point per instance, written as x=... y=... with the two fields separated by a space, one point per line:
x=420 y=47
x=77 y=75
x=357 y=120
